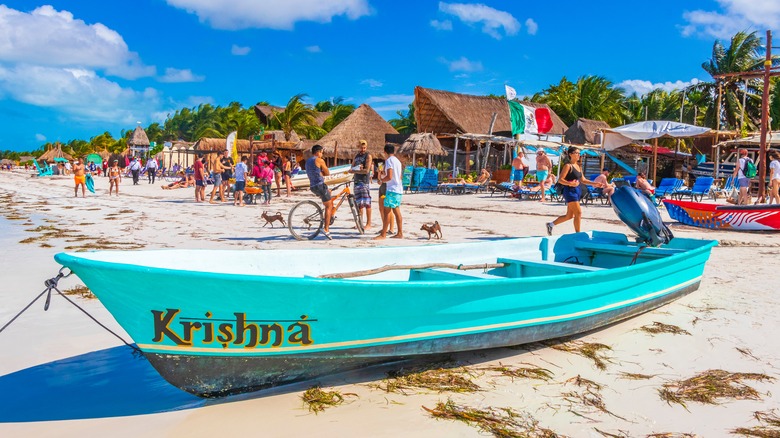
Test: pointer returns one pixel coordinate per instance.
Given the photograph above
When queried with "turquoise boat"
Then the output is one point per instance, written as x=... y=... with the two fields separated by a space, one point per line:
x=215 y=323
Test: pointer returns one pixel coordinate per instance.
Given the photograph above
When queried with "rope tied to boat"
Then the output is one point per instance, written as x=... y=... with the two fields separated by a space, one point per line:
x=51 y=285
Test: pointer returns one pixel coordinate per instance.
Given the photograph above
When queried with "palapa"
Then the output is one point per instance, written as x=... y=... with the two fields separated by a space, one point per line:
x=585 y=131
x=445 y=112
x=138 y=138
x=55 y=152
x=363 y=124
x=424 y=143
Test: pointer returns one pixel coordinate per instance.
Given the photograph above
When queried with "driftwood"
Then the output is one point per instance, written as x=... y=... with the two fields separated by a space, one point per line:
x=422 y=266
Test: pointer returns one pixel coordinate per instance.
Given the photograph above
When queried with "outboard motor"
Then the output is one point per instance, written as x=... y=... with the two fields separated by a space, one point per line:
x=638 y=212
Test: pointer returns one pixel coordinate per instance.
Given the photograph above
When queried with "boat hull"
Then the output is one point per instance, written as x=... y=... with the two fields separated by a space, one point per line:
x=725 y=217
x=337 y=175
x=258 y=322
x=209 y=376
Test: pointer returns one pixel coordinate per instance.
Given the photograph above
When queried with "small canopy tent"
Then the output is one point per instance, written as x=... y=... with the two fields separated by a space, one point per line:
x=95 y=158
x=424 y=143
x=614 y=138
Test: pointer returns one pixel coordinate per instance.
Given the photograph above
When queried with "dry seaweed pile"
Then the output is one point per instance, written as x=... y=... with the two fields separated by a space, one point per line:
x=81 y=291
x=527 y=372
x=318 y=400
x=590 y=350
x=659 y=327
x=500 y=422
x=769 y=428
x=588 y=397
x=711 y=386
x=435 y=379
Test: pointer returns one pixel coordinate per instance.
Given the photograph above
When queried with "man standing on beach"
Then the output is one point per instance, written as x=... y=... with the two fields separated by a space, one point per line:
x=151 y=169
x=392 y=175
x=518 y=164
x=199 y=172
x=241 y=170
x=218 y=171
x=317 y=170
x=361 y=167
x=80 y=178
x=543 y=167
x=135 y=169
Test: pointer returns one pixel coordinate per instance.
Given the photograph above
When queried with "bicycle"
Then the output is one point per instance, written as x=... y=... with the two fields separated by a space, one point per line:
x=306 y=218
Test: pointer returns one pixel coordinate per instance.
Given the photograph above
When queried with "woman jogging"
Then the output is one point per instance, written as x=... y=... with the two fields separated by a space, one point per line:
x=572 y=179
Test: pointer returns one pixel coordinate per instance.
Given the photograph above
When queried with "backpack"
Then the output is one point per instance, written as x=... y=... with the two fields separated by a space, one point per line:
x=750 y=169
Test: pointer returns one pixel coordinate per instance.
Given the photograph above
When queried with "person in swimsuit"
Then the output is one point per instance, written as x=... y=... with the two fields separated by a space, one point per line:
x=114 y=177
x=80 y=178
x=287 y=167
x=572 y=180
x=382 y=195
x=543 y=167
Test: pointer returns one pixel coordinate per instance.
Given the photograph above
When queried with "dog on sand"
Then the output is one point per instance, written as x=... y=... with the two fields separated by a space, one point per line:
x=270 y=219
x=433 y=229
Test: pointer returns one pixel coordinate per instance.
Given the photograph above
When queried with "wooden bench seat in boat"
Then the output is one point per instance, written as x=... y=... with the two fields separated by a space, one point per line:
x=538 y=268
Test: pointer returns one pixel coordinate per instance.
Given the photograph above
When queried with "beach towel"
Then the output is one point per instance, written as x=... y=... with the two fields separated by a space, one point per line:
x=90 y=183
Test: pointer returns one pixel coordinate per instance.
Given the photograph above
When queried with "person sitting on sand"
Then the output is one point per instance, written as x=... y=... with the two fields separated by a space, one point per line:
x=184 y=182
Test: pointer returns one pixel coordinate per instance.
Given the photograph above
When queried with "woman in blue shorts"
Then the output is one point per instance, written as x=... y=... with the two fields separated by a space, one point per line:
x=572 y=179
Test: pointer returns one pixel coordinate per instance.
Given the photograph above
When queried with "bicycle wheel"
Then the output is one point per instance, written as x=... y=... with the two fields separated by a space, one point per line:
x=305 y=220
x=355 y=213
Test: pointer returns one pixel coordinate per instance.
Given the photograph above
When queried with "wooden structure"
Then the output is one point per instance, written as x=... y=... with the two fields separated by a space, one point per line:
x=363 y=124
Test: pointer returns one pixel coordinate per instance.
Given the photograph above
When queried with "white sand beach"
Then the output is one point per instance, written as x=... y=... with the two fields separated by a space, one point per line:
x=62 y=375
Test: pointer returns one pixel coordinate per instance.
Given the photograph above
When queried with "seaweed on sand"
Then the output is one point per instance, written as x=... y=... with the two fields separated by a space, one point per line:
x=589 y=397
x=434 y=379
x=659 y=327
x=590 y=350
x=81 y=291
x=710 y=386
x=526 y=372
x=769 y=428
x=317 y=400
x=499 y=422
x=636 y=376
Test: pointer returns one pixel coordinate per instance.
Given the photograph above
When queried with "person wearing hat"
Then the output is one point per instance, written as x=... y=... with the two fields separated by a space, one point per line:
x=361 y=168
x=114 y=177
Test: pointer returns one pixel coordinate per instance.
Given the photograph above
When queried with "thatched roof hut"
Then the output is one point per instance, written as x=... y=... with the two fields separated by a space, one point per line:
x=208 y=145
x=55 y=152
x=265 y=113
x=445 y=112
x=138 y=138
x=422 y=144
x=585 y=131
x=363 y=124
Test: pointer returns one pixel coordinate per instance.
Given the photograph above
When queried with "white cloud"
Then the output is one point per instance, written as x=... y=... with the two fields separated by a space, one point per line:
x=441 y=25
x=40 y=137
x=531 y=26
x=390 y=102
x=313 y=49
x=735 y=16
x=462 y=64
x=271 y=14
x=492 y=20
x=240 y=51
x=642 y=87
x=52 y=38
x=80 y=93
x=175 y=75
x=373 y=83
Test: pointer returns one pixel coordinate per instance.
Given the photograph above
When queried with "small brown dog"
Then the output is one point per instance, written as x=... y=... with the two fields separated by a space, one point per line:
x=270 y=219
x=433 y=229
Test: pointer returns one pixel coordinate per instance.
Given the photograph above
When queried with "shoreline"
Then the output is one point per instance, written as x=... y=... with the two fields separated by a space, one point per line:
x=731 y=311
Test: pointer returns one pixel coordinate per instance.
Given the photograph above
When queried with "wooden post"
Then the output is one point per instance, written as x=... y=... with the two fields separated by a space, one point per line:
x=655 y=161
x=454 y=158
x=716 y=161
x=764 y=118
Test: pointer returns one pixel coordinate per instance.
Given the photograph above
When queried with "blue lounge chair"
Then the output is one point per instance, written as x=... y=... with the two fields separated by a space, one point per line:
x=430 y=181
x=43 y=171
x=701 y=187
x=727 y=188
x=503 y=188
x=667 y=187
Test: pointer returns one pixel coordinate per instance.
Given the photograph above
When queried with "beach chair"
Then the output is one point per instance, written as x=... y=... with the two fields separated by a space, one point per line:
x=667 y=187
x=631 y=180
x=406 y=178
x=43 y=171
x=430 y=181
x=726 y=190
x=504 y=188
x=701 y=187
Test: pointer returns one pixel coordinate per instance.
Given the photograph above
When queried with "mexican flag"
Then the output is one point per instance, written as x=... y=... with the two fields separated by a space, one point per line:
x=529 y=120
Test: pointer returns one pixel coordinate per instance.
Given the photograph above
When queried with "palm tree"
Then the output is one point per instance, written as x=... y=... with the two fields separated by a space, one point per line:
x=591 y=97
x=742 y=54
x=405 y=123
x=338 y=112
x=299 y=117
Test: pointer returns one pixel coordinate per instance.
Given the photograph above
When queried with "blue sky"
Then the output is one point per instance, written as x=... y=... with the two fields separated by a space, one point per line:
x=74 y=69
